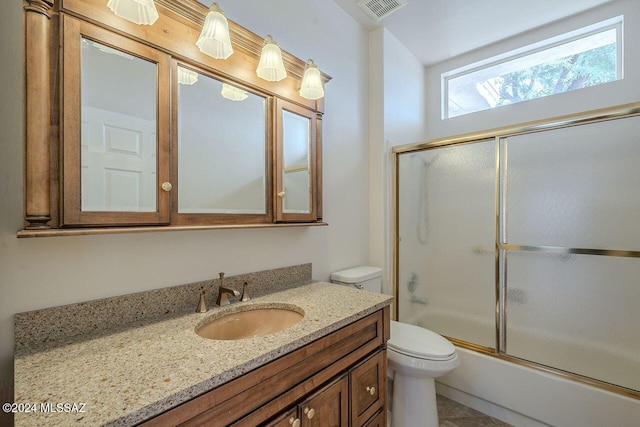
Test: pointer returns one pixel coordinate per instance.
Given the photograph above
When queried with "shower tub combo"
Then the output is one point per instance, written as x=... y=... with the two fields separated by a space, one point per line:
x=522 y=246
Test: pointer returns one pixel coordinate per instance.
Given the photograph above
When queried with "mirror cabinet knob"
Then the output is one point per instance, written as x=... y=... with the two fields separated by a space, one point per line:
x=281 y=194
x=166 y=186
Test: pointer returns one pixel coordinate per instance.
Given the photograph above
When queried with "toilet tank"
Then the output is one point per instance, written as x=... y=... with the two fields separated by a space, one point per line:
x=363 y=277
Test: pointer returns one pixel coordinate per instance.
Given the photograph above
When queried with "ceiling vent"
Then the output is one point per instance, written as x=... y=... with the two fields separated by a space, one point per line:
x=378 y=9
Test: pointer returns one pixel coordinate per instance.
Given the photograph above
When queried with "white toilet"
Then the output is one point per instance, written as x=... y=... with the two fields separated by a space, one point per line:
x=416 y=356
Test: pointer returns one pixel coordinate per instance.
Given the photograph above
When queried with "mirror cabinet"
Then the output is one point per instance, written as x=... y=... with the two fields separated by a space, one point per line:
x=131 y=127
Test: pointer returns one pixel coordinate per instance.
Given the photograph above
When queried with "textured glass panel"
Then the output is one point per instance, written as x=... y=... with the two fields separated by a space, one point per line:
x=578 y=313
x=221 y=147
x=576 y=187
x=446 y=251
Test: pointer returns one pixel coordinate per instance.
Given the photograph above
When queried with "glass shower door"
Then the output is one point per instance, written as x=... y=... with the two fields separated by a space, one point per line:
x=572 y=227
x=446 y=214
x=527 y=245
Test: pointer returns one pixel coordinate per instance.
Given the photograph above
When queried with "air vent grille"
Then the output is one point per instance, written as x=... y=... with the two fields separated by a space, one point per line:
x=378 y=9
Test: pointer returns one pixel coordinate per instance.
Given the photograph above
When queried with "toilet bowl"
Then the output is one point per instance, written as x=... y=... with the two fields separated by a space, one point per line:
x=415 y=357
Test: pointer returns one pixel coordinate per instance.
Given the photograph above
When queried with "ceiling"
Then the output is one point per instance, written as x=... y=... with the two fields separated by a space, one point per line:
x=435 y=30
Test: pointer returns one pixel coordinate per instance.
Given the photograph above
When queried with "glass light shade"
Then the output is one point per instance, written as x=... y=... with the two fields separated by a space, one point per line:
x=233 y=93
x=187 y=77
x=214 y=39
x=271 y=67
x=311 y=87
x=142 y=12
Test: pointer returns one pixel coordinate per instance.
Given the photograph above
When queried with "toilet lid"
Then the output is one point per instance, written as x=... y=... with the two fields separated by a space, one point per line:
x=419 y=342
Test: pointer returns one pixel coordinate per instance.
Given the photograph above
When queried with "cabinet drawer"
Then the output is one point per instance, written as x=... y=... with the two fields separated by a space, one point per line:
x=378 y=420
x=327 y=408
x=289 y=419
x=368 y=382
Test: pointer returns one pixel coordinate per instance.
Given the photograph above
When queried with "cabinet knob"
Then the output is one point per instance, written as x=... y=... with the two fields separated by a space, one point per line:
x=309 y=412
x=295 y=422
x=281 y=194
x=371 y=390
x=166 y=186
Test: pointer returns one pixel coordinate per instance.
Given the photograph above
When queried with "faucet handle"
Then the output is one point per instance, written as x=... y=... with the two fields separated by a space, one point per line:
x=202 y=304
x=245 y=293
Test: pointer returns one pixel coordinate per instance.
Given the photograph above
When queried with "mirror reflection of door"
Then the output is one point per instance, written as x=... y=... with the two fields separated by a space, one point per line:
x=118 y=130
x=296 y=170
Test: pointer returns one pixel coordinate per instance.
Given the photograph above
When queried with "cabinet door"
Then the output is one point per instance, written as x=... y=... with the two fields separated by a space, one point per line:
x=327 y=408
x=115 y=129
x=368 y=382
x=379 y=420
x=222 y=151
x=288 y=419
x=296 y=135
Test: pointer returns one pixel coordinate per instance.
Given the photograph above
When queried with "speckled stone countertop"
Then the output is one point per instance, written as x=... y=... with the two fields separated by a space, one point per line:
x=129 y=375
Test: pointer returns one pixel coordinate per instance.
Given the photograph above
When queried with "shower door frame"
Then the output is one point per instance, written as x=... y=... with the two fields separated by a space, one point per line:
x=500 y=135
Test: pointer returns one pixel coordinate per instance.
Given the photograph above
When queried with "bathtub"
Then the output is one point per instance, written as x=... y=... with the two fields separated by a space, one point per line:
x=522 y=396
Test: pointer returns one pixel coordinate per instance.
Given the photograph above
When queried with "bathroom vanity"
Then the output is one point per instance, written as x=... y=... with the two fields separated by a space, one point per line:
x=328 y=369
x=339 y=379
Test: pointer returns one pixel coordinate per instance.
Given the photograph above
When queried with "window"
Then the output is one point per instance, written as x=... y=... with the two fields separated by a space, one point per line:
x=586 y=57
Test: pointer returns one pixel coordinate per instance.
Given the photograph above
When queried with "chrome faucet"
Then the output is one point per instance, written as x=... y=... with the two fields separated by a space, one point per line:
x=224 y=292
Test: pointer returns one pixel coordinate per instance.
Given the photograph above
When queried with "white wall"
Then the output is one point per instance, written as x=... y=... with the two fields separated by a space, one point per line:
x=44 y=272
x=615 y=93
x=396 y=116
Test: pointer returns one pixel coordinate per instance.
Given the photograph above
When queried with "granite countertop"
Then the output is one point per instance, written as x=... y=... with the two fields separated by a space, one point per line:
x=128 y=375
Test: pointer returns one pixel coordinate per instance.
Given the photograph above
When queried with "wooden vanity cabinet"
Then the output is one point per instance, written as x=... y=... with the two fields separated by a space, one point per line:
x=336 y=380
x=380 y=420
x=326 y=407
x=368 y=388
x=288 y=419
x=351 y=400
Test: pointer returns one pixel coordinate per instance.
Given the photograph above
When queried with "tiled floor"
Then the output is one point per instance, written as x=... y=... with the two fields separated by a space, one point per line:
x=454 y=414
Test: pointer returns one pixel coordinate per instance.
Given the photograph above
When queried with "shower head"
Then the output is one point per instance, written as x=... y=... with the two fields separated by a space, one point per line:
x=424 y=162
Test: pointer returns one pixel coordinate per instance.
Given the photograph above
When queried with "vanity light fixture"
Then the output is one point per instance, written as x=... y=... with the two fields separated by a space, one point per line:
x=271 y=67
x=214 y=39
x=142 y=12
x=233 y=93
x=187 y=77
x=311 y=87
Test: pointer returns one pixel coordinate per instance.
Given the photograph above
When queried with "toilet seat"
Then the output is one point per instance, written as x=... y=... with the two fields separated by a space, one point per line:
x=414 y=341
